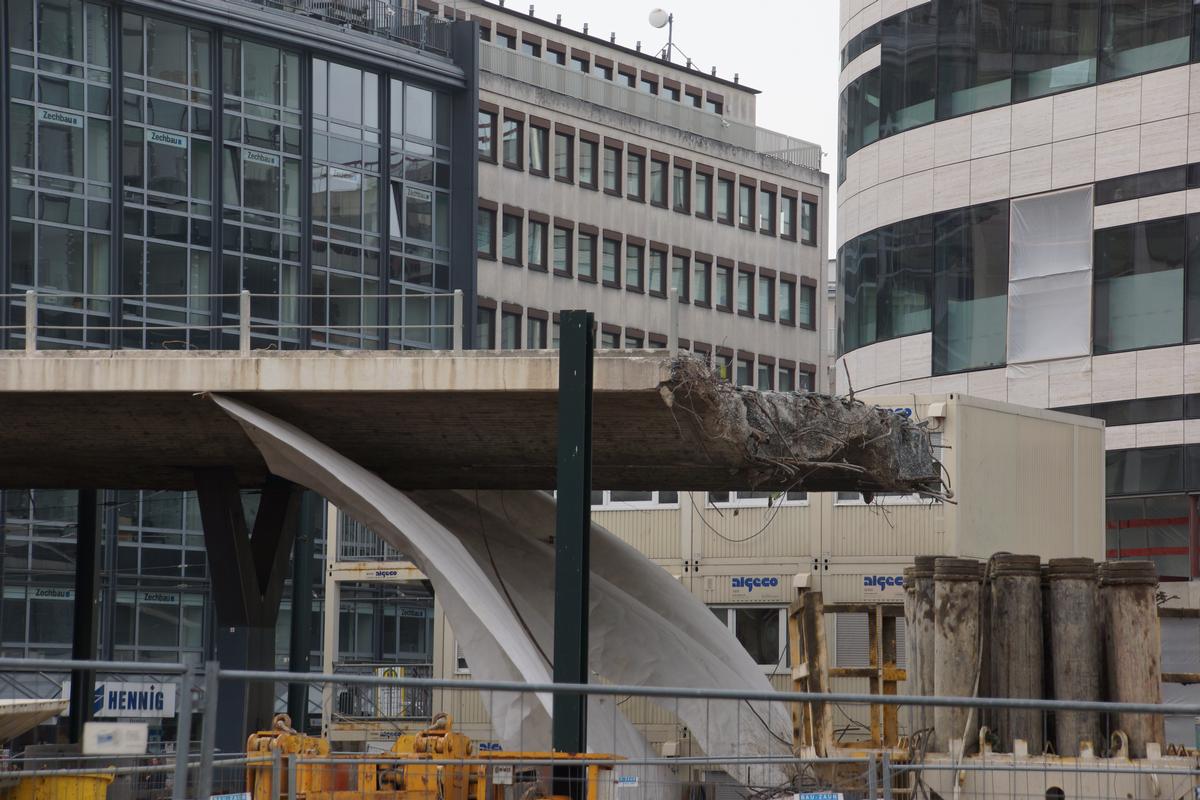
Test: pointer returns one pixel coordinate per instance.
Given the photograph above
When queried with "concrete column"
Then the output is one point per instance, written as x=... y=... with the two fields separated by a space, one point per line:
x=85 y=632
x=956 y=626
x=1016 y=647
x=918 y=634
x=1133 y=647
x=1074 y=653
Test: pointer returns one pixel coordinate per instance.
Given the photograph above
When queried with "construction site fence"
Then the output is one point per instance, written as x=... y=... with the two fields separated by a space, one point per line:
x=187 y=763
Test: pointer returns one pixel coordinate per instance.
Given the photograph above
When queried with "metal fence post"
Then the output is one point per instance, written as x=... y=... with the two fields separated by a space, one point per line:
x=31 y=315
x=459 y=320
x=887 y=775
x=209 y=735
x=244 y=321
x=872 y=786
x=673 y=320
x=183 y=735
x=291 y=775
x=276 y=771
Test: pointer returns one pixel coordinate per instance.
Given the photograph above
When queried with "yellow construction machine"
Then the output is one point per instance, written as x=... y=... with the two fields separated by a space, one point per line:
x=320 y=775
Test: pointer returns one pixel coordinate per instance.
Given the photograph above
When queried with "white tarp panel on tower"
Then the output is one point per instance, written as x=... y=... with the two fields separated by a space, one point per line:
x=491 y=566
x=1050 y=276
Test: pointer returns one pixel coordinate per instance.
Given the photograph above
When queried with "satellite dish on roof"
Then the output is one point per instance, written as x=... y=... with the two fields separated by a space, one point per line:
x=659 y=18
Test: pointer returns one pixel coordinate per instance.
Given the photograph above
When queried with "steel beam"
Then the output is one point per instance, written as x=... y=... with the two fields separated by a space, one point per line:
x=572 y=541
x=300 y=644
x=84 y=634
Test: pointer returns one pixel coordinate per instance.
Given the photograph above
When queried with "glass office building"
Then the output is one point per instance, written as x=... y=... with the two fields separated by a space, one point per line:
x=1018 y=219
x=162 y=157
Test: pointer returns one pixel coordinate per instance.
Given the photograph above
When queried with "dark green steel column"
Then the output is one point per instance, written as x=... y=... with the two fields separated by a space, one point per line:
x=572 y=540
x=87 y=595
x=300 y=646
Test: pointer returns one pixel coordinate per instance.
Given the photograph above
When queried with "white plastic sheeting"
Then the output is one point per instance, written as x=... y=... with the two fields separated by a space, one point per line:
x=645 y=628
x=1050 y=276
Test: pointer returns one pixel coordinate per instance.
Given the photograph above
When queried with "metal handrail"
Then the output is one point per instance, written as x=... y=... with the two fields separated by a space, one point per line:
x=245 y=325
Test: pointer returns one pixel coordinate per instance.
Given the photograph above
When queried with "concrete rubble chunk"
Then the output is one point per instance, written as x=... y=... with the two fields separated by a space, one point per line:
x=801 y=440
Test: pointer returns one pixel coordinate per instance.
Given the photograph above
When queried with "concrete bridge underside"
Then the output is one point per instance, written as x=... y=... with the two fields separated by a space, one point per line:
x=430 y=420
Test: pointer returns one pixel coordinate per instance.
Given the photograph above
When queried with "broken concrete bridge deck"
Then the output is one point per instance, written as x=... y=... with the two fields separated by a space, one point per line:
x=430 y=420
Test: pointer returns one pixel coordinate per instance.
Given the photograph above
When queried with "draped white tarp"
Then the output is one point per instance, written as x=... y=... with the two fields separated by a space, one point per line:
x=490 y=561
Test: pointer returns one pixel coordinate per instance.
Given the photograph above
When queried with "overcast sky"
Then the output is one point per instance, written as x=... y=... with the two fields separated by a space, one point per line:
x=787 y=49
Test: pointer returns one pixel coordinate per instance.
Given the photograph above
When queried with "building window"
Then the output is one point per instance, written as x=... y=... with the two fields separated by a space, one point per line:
x=485 y=234
x=907 y=76
x=485 y=328
x=535 y=333
x=506 y=40
x=635 y=176
x=725 y=201
x=1140 y=37
x=724 y=367
x=1139 y=285
x=766 y=212
x=808 y=222
x=745 y=372
x=745 y=293
x=604 y=72
x=630 y=501
x=610 y=340
x=487 y=136
x=627 y=78
x=694 y=99
x=634 y=341
x=701 y=278
x=682 y=189
x=887 y=283
x=531 y=48
x=512 y=143
x=724 y=288
x=787 y=302
x=612 y=170
x=537 y=245
x=766 y=298
x=610 y=264
x=787 y=217
x=657 y=279
x=1054 y=46
x=634 y=268
x=970 y=288
x=679 y=276
x=703 y=195
x=715 y=106
x=581 y=64
x=658 y=182
x=766 y=377
x=587 y=164
x=586 y=260
x=807 y=381
x=556 y=55
x=746 y=206
x=648 y=85
x=974 y=63
x=808 y=307
x=539 y=143
x=787 y=379
x=510 y=330
x=564 y=156
x=510 y=239
x=562 y=251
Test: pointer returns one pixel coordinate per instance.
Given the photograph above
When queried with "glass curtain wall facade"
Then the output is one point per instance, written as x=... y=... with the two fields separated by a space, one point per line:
x=947 y=58
x=155 y=168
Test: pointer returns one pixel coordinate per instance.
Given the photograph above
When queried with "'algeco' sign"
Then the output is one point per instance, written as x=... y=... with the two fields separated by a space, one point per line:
x=746 y=585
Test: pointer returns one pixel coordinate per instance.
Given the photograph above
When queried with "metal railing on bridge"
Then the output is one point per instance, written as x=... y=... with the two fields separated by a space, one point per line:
x=386 y=19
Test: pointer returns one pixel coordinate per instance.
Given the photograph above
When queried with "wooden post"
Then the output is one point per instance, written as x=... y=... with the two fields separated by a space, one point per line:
x=957 y=600
x=1016 y=647
x=1075 y=652
x=1133 y=646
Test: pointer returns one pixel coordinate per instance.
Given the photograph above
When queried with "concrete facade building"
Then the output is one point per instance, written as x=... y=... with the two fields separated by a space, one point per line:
x=609 y=176
x=1016 y=221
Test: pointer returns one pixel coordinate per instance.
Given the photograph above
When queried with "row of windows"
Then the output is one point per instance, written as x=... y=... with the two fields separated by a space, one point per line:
x=1140 y=411
x=949 y=273
x=621 y=74
x=628 y=171
x=514 y=328
x=620 y=261
x=949 y=57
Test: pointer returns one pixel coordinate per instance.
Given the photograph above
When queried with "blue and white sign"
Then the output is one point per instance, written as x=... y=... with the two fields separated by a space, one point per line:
x=627 y=781
x=134 y=700
x=819 y=796
x=758 y=586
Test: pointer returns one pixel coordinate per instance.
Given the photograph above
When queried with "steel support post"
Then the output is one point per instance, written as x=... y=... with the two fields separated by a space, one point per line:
x=300 y=644
x=84 y=633
x=572 y=542
x=183 y=735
